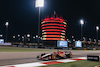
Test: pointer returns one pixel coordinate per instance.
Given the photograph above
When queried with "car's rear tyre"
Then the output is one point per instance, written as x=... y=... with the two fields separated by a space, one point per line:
x=54 y=57
x=58 y=57
x=68 y=56
x=71 y=55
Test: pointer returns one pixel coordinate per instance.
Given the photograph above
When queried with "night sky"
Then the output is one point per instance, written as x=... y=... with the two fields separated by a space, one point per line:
x=22 y=16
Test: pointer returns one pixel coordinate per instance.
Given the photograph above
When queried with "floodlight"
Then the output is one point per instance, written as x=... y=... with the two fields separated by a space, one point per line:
x=82 y=22
x=97 y=27
x=6 y=23
x=39 y=3
x=28 y=35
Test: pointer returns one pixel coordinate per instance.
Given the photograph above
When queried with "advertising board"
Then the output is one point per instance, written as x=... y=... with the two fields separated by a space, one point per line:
x=78 y=44
x=62 y=44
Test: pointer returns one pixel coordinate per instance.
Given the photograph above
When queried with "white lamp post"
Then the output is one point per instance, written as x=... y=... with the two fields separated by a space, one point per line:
x=33 y=37
x=13 y=37
x=73 y=39
x=90 y=39
x=94 y=40
x=97 y=29
x=72 y=36
x=22 y=38
x=84 y=38
x=28 y=35
x=1 y=35
x=41 y=38
x=36 y=36
x=7 y=23
x=18 y=35
x=39 y=3
x=82 y=23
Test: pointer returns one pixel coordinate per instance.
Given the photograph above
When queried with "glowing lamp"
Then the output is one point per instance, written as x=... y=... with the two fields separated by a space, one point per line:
x=6 y=23
x=82 y=22
x=97 y=27
x=1 y=35
x=18 y=35
x=28 y=35
x=39 y=3
x=13 y=36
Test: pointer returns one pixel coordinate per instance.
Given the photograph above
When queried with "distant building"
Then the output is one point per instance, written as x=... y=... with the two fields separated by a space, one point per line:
x=53 y=29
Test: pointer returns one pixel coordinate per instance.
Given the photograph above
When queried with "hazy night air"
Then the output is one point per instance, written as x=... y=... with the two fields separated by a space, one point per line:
x=49 y=33
x=22 y=16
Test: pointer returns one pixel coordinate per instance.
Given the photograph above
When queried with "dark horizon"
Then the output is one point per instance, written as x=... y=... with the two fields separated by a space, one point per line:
x=22 y=16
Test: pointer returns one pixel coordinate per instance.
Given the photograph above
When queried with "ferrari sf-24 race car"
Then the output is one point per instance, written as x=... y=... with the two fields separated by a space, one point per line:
x=55 y=55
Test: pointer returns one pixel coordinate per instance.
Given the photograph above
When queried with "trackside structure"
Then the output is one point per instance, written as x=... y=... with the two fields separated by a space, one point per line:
x=53 y=29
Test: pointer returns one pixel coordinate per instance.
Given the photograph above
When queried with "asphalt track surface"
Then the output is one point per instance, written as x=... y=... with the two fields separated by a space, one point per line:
x=12 y=58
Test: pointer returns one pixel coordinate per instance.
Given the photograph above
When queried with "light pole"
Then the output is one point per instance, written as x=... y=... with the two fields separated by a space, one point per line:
x=18 y=35
x=84 y=39
x=1 y=35
x=82 y=23
x=33 y=39
x=28 y=37
x=14 y=38
x=41 y=38
x=39 y=3
x=18 y=38
x=72 y=36
x=36 y=36
x=22 y=38
x=97 y=29
x=7 y=23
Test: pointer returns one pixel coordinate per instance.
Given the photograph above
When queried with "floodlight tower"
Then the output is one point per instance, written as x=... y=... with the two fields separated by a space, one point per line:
x=82 y=23
x=6 y=24
x=39 y=3
x=97 y=29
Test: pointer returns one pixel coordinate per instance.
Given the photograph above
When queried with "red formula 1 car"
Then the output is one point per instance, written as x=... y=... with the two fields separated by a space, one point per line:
x=55 y=55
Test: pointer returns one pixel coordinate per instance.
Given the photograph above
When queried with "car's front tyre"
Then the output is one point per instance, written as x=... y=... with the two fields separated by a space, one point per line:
x=46 y=59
